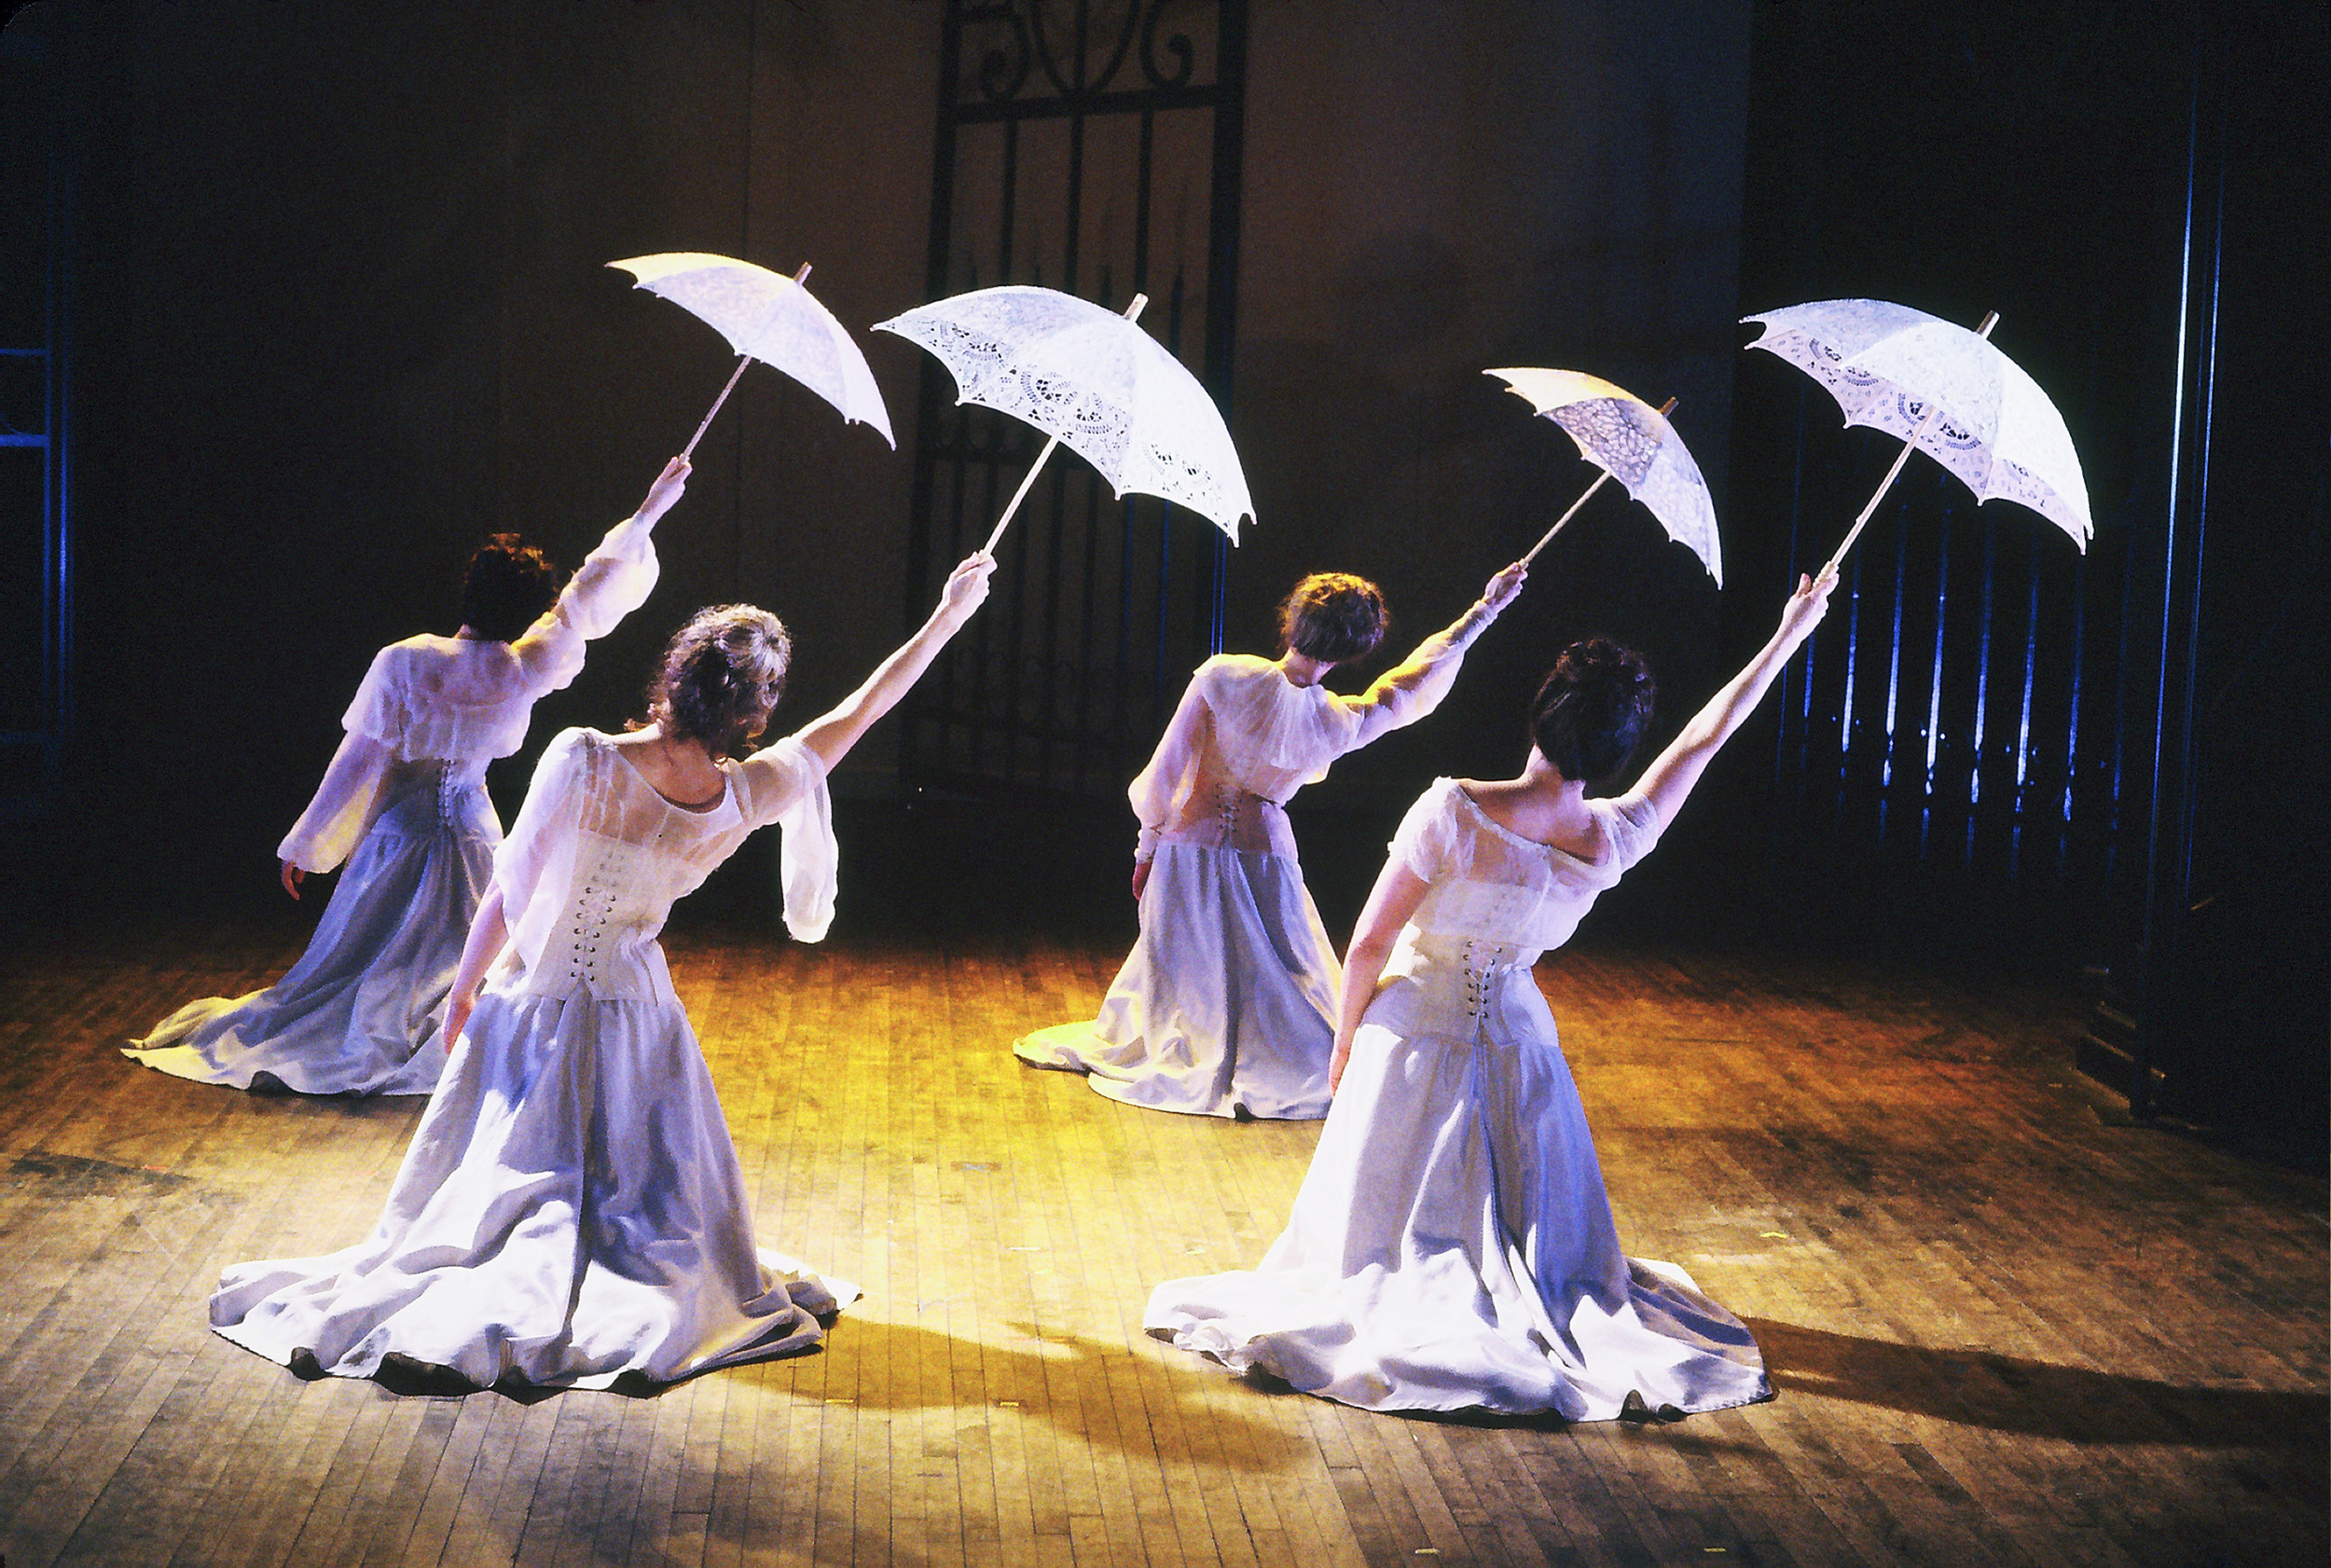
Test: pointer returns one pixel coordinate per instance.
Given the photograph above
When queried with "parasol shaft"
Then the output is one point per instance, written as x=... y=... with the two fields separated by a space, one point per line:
x=689 y=450
x=1565 y=517
x=1018 y=496
x=1666 y=409
x=1887 y=483
x=1133 y=312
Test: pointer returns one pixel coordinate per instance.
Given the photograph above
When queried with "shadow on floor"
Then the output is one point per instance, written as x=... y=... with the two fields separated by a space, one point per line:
x=2013 y=1393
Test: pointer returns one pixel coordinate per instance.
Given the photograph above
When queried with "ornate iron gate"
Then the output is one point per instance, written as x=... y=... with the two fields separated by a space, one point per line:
x=1091 y=147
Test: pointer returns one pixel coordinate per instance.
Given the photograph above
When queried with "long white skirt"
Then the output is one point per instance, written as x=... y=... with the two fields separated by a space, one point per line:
x=571 y=1211
x=360 y=1012
x=1453 y=1247
x=1225 y=1007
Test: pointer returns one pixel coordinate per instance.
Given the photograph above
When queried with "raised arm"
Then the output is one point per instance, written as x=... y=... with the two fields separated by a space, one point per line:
x=1390 y=903
x=1670 y=779
x=612 y=580
x=1414 y=687
x=831 y=736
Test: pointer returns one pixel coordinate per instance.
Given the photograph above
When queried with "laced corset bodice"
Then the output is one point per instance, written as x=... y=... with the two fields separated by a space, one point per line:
x=1245 y=738
x=597 y=859
x=1494 y=903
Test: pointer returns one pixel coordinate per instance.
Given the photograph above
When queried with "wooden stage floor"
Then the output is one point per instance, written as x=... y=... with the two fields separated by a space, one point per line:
x=2005 y=1330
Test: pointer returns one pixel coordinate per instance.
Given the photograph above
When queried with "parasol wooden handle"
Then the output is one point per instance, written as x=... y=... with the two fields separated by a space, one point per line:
x=1900 y=457
x=1132 y=312
x=1665 y=408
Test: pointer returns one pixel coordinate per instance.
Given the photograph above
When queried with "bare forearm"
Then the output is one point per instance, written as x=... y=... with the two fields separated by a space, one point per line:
x=488 y=931
x=831 y=736
x=1730 y=709
x=1363 y=969
x=1668 y=780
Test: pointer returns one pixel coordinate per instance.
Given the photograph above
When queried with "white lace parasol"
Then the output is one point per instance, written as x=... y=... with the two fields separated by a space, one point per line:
x=1631 y=442
x=1087 y=375
x=1944 y=390
x=767 y=316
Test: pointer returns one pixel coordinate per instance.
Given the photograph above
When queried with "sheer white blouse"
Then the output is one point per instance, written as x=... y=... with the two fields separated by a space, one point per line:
x=1491 y=886
x=1244 y=729
x=455 y=703
x=597 y=859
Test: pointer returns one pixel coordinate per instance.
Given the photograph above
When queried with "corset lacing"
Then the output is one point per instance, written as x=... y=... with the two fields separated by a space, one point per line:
x=1468 y=979
x=453 y=794
x=1241 y=816
x=586 y=923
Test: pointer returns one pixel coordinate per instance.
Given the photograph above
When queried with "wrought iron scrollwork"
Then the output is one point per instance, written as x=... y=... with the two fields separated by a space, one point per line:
x=1075 y=141
x=1176 y=44
x=1003 y=64
x=1079 y=48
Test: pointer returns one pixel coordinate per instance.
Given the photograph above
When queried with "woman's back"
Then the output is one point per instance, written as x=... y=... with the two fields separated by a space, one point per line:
x=1490 y=884
x=598 y=858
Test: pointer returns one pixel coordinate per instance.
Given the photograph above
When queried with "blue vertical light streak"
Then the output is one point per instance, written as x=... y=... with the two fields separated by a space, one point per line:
x=1934 y=689
x=2030 y=652
x=1893 y=648
x=1982 y=658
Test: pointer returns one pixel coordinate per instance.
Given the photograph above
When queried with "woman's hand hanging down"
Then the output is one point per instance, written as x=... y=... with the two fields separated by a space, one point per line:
x=1140 y=877
x=487 y=933
x=292 y=876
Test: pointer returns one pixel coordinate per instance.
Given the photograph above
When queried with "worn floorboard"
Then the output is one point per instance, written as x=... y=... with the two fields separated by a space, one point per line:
x=2006 y=1326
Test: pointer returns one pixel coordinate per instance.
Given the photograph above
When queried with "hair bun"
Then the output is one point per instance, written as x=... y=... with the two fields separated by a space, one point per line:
x=1592 y=709
x=722 y=674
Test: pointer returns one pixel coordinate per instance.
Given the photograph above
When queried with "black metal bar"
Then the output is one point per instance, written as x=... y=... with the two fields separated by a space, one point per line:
x=932 y=392
x=1127 y=101
x=1221 y=284
x=1010 y=63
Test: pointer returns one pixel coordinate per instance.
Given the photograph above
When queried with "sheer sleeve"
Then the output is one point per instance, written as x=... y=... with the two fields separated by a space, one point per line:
x=1161 y=789
x=613 y=581
x=1414 y=687
x=1427 y=840
x=786 y=784
x=345 y=803
x=542 y=838
x=1633 y=822
x=379 y=709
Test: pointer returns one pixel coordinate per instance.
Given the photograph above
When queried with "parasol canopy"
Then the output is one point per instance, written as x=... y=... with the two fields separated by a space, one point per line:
x=769 y=317
x=1943 y=389
x=1088 y=377
x=1632 y=442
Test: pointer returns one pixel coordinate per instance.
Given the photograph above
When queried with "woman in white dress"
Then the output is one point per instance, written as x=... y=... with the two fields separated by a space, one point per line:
x=1452 y=1245
x=1226 y=1006
x=572 y=1211
x=404 y=804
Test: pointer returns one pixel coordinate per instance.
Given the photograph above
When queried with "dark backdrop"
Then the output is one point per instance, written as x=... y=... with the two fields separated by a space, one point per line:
x=339 y=307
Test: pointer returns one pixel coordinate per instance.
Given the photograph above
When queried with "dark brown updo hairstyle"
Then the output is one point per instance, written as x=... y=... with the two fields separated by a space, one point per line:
x=720 y=676
x=1333 y=616
x=1591 y=710
x=508 y=585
